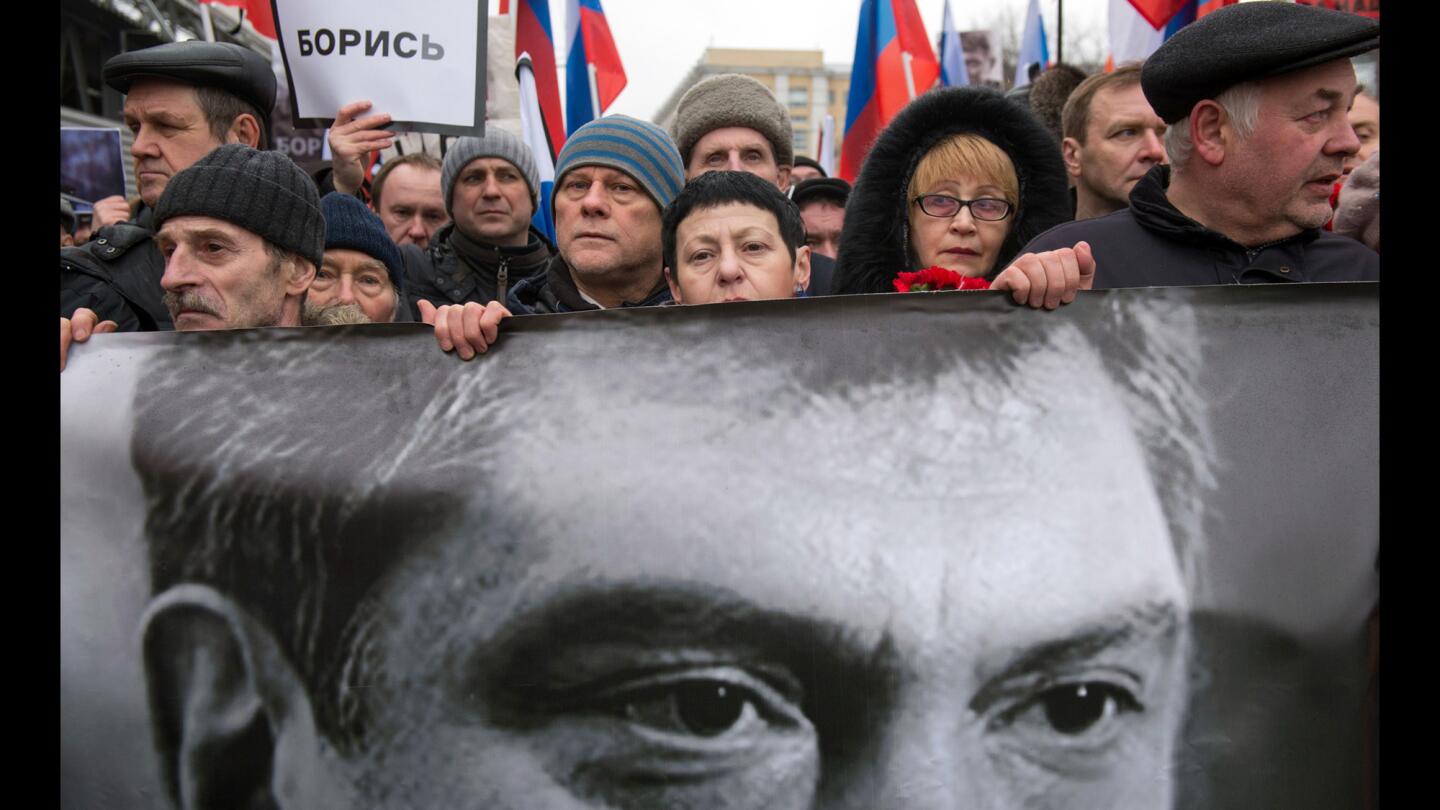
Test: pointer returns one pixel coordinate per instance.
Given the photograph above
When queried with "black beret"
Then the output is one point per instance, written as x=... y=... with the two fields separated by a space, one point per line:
x=821 y=188
x=237 y=70
x=1244 y=42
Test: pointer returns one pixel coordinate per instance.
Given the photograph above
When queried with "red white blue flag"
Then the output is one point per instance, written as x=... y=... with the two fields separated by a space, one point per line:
x=593 y=73
x=535 y=40
x=1137 y=27
x=534 y=126
x=893 y=63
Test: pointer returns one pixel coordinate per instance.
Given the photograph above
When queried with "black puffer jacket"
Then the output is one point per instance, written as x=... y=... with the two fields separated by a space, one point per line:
x=874 y=245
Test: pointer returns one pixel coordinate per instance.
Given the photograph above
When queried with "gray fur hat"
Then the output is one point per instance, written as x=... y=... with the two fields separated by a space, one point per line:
x=732 y=100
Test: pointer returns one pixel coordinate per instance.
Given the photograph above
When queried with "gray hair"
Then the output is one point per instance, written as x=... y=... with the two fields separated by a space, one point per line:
x=1241 y=103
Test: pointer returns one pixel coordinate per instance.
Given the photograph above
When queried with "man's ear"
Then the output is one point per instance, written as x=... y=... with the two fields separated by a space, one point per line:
x=298 y=276
x=784 y=178
x=1070 y=152
x=802 y=266
x=223 y=701
x=1210 y=131
x=674 y=288
x=244 y=129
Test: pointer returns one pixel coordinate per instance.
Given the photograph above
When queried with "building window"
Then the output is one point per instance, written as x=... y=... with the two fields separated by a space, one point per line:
x=800 y=96
x=797 y=120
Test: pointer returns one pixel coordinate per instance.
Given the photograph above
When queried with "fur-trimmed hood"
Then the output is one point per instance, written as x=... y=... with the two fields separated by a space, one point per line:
x=874 y=243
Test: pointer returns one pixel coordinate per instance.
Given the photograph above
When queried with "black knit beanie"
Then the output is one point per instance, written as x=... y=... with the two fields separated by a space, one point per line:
x=263 y=192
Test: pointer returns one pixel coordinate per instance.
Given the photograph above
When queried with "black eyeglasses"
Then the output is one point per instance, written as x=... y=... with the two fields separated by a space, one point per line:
x=986 y=209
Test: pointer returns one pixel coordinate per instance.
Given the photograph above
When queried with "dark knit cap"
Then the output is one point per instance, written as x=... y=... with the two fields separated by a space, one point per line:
x=263 y=192
x=638 y=148
x=232 y=68
x=351 y=225
x=1246 y=42
x=732 y=100
x=833 y=189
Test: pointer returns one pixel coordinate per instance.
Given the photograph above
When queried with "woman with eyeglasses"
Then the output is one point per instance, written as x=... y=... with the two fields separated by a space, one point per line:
x=960 y=180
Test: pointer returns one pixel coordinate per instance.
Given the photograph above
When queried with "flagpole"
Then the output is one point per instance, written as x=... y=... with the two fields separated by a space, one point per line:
x=906 y=59
x=1059 y=31
x=594 y=90
x=208 y=26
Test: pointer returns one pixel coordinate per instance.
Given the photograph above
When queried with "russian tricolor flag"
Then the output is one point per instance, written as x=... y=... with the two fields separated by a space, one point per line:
x=952 y=58
x=893 y=63
x=1137 y=27
x=534 y=39
x=593 y=73
x=534 y=126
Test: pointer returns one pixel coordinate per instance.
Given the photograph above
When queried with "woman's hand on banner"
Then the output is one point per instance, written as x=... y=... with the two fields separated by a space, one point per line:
x=465 y=330
x=1048 y=279
x=351 y=142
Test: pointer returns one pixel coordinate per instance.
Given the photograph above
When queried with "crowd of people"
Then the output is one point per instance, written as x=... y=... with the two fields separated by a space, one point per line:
x=1219 y=160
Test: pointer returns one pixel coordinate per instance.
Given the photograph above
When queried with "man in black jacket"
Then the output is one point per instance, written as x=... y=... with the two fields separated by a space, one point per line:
x=241 y=234
x=491 y=187
x=182 y=100
x=1255 y=96
x=612 y=181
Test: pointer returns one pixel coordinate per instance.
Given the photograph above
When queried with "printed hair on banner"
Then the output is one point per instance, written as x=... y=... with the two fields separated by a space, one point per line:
x=874 y=551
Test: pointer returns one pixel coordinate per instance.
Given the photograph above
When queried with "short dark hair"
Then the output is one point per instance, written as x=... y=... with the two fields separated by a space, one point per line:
x=1075 y=117
x=1050 y=91
x=801 y=160
x=714 y=189
x=423 y=160
x=221 y=108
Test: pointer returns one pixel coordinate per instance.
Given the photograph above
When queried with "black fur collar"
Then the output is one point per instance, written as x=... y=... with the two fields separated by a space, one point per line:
x=872 y=245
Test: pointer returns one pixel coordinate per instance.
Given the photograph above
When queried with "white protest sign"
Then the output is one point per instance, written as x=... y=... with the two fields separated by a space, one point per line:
x=423 y=61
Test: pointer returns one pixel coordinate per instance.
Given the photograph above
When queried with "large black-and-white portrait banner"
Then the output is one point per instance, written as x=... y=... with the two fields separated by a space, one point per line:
x=885 y=551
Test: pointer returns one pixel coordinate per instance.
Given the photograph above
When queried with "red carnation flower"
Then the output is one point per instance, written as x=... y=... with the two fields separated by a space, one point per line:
x=938 y=278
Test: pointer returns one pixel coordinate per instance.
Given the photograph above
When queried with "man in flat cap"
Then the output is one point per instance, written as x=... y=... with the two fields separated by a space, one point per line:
x=182 y=100
x=241 y=234
x=1255 y=96
x=734 y=122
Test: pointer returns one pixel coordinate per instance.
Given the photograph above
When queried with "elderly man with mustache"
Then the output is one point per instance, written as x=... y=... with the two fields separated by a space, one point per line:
x=242 y=235
x=1255 y=98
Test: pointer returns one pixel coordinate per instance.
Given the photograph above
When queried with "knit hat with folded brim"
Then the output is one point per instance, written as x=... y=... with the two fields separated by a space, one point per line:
x=497 y=143
x=637 y=148
x=263 y=192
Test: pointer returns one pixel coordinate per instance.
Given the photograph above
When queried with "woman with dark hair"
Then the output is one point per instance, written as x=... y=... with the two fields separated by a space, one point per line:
x=960 y=180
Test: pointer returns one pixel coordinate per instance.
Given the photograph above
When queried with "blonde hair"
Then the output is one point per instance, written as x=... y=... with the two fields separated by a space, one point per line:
x=966 y=155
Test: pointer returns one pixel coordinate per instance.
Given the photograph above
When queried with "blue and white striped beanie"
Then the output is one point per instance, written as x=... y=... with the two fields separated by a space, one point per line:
x=637 y=148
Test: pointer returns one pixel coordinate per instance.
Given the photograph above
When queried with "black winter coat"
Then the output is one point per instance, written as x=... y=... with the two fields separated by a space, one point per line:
x=438 y=275
x=874 y=244
x=1152 y=244
x=117 y=275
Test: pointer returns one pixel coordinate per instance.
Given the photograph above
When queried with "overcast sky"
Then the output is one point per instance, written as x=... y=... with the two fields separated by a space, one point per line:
x=660 y=40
